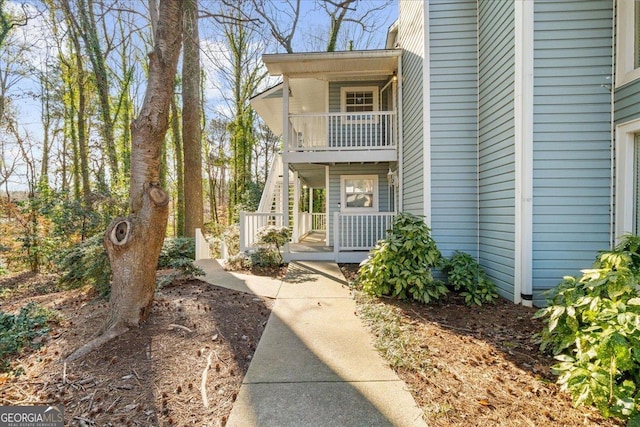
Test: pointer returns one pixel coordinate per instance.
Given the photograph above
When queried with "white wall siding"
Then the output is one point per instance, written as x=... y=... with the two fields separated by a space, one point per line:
x=496 y=48
x=411 y=37
x=454 y=125
x=572 y=139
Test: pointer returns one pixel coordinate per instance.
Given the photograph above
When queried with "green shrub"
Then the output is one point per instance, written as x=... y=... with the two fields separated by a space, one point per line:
x=465 y=274
x=86 y=263
x=400 y=265
x=592 y=325
x=265 y=257
x=276 y=236
x=19 y=331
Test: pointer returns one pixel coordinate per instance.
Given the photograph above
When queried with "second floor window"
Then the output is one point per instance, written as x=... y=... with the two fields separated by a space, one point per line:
x=359 y=100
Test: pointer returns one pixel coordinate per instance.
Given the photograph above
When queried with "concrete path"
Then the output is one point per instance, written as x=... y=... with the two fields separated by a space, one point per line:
x=315 y=364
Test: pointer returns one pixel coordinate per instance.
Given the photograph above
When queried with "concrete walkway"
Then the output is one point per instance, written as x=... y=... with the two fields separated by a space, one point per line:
x=315 y=364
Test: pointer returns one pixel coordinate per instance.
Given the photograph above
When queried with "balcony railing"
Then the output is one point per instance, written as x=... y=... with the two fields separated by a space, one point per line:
x=360 y=232
x=342 y=131
x=251 y=222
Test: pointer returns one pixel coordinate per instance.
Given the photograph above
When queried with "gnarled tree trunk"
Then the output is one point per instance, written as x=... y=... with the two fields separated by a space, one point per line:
x=134 y=243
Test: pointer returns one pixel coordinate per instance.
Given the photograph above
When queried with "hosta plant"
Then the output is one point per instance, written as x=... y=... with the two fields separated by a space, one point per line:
x=400 y=265
x=592 y=326
x=465 y=275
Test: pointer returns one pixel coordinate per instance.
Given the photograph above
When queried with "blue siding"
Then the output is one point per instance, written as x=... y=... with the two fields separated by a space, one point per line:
x=572 y=139
x=411 y=38
x=454 y=125
x=627 y=102
x=496 y=48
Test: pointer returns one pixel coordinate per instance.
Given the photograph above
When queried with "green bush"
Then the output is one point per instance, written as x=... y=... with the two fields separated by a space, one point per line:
x=592 y=326
x=86 y=263
x=274 y=236
x=465 y=274
x=400 y=265
x=231 y=238
x=19 y=331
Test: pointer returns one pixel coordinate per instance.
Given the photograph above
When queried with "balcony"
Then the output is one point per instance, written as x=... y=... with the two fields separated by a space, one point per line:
x=327 y=137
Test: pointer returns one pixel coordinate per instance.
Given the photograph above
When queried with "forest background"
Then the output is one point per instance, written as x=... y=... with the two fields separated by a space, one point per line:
x=72 y=77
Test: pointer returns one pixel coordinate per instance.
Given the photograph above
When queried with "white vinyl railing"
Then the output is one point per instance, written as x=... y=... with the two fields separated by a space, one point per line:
x=342 y=131
x=359 y=232
x=251 y=222
x=319 y=222
x=308 y=222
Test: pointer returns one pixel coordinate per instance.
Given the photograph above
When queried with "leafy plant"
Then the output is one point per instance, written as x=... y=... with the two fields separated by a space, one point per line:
x=86 y=264
x=231 y=238
x=19 y=331
x=465 y=274
x=265 y=257
x=400 y=265
x=276 y=236
x=592 y=326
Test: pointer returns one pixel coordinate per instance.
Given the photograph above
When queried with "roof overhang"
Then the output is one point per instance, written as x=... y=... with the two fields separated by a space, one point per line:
x=350 y=65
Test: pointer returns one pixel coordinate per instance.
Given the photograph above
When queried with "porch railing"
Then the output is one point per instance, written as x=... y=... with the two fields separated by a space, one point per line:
x=342 y=131
x=359 y=232
x=251 y=222
x=308 y=222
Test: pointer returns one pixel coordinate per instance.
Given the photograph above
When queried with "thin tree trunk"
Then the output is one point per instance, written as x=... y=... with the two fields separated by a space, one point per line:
x=134 y=243
x=177 y=148
x=191 y=116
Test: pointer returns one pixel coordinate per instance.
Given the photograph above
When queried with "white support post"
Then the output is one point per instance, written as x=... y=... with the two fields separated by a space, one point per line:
x=327 y=204
x=336 y=235
x=311 y=200
x=243 y=231
x=296 y=207
x=285 y=154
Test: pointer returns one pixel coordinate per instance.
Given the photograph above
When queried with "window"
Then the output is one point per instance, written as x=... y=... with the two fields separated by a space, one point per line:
x=359 y=193
x=359 y=100
x=627 y=41
x=627 y=190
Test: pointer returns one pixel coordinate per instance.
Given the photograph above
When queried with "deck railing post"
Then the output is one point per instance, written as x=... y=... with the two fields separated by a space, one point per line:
x=336 y=234
x=243 y=231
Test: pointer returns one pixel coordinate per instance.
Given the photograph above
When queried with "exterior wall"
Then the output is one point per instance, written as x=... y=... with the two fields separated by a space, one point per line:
x=454 y=125
x=627 y=102
x=336 y=171
x=572 y=138
x=334 y=93
x=496 y=47
x=411 y=38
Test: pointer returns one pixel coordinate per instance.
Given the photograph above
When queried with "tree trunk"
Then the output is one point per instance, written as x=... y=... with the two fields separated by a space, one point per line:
x=134 y=243
x=179 y=165
x=191 y=131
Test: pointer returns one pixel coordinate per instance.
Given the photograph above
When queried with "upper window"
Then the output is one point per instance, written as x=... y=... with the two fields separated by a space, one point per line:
x=359 y=100
x=359 y=193
x=627 y=41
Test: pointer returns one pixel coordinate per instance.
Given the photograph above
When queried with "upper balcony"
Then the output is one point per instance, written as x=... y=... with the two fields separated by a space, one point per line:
x=334 y=107
x=332 y=137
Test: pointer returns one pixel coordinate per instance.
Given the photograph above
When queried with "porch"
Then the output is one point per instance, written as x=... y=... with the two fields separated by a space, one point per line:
x=352 y=236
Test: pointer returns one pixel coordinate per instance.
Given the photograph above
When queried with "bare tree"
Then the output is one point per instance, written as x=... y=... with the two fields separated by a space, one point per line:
x=134 y=243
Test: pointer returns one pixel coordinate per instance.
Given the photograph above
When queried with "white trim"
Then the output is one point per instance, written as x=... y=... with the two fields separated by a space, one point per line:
x=343 y=194
x=327 y=204
x=625 y=140
x=523 y=124
x=625 y=40
x=426 y=116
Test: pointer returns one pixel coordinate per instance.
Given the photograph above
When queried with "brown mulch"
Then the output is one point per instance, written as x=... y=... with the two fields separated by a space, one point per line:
x=149 y=376
x=484 y=366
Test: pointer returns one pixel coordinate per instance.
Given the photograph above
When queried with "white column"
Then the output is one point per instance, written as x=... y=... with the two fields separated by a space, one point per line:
x=311 y=200
x=285 y=156
x=296 y=207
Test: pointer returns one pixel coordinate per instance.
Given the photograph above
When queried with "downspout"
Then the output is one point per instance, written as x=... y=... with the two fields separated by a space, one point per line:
x=523 y=112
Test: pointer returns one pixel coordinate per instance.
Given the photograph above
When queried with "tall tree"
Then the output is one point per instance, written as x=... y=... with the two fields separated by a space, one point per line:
x=134 y=243
x=191 y=125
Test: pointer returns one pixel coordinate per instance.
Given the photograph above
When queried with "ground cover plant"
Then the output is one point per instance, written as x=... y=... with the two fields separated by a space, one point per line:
x=592 y=326
x=465 y=275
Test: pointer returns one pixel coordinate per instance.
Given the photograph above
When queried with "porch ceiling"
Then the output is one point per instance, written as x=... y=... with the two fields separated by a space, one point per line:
x=306 y=96
x=351 y=65
x=312 y=174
